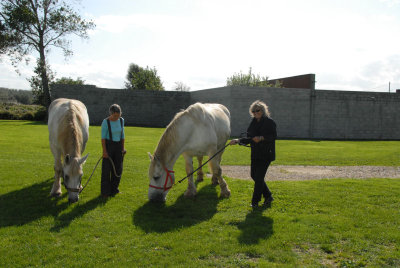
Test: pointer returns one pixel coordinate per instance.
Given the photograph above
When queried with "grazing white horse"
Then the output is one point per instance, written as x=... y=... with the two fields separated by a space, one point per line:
x=201 y=129
x=68 y=133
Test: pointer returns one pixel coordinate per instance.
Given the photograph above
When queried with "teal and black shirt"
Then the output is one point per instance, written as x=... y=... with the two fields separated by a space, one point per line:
x=117 y=130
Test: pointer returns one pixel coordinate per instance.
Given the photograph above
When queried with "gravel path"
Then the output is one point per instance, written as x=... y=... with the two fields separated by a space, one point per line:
x=292 y=173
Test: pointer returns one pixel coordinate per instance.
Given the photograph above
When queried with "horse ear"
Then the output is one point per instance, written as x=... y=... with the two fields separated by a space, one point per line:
x=150 y=156
x=83 y=159
x=67 y=158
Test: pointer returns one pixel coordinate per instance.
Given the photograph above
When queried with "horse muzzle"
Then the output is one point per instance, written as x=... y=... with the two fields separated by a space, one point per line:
x=73 y=199
x=157 y=196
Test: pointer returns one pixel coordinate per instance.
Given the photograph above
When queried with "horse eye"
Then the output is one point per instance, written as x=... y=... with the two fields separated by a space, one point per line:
x=66 y=177
x=156 y=178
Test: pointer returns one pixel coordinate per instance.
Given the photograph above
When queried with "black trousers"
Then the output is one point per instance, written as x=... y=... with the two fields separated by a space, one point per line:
x=258 y=170
x=110 y=182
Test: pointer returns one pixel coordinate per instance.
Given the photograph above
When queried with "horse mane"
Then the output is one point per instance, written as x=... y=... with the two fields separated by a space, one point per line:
x=169 y=138
x=70 y=133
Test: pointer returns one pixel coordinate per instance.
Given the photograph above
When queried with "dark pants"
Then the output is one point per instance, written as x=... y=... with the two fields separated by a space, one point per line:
x=258 y=170
x=110 y=182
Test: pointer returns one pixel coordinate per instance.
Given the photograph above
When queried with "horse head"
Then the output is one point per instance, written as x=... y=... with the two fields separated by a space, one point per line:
x=72 y=171
x=161 y=180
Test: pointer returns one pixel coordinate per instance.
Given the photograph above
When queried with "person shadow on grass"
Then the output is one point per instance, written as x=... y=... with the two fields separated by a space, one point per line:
x=255 y=227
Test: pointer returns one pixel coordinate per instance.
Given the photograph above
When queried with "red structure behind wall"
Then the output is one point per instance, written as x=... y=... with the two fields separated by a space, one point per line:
x=299 y=81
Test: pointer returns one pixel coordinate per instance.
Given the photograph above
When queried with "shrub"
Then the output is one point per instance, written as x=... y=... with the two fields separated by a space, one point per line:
x=40 y=114
x=13 y=111
x=5 y=115
x=27 y=116
x=250 y=79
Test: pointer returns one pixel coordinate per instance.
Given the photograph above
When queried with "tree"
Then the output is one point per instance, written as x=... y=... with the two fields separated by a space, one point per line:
x=6 y=41
x=179 y=86
x=37 y=84
x=38 y=25
x=37 y=88
x=15 y=96
x=139 y=78
x=249 y=79
x=69 y=81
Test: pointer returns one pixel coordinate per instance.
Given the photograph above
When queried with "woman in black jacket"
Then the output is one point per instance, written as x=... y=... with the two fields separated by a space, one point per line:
x=261 y=135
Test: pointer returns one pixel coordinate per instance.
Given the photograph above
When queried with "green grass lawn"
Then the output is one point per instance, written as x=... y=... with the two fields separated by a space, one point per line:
x=324 y=153
x=335 y=222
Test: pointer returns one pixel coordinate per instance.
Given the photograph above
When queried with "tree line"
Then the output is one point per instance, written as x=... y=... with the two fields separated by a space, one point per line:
x=16 y=96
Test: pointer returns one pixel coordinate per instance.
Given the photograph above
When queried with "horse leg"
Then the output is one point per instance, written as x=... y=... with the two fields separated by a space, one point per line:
x=200 y=173
x=56 y=189
x=214 y=178
x=217 y=176
x=191 y=190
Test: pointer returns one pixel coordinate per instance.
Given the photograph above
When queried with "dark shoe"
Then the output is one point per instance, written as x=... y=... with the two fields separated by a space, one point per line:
x=254 y=205
x=268 y=201
x=105 y=196
x=114 y=194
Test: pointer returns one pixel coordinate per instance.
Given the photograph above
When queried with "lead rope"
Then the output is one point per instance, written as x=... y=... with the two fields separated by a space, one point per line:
x=203 y=164
x=80 y=191
x=115 y=171
x=98 y=161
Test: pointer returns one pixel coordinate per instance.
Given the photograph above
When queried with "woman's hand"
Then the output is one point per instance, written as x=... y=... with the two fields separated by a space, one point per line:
x=257 y=139
x=234 y=141
x=105 y=154
x=123 y=151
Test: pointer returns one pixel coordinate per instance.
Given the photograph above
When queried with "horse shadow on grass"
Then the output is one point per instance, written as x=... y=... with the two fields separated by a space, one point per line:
x=255 y=227
x=78 y=211
x=159 y=218
x=31 y=203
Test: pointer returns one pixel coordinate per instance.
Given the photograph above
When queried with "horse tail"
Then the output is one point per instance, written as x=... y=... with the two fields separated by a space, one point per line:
x=226 y=111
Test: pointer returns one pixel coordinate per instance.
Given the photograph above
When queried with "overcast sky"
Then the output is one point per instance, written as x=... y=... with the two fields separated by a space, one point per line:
x=347 y=44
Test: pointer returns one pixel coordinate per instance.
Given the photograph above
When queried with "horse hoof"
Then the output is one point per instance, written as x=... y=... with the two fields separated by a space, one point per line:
x=226 y=194
x=188 y=194
x=215 y=183
x=57 y=194
x=199 y=180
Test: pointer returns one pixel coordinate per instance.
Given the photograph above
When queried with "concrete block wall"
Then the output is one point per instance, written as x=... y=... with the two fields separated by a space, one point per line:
x=139 y=108
x=356 y=115
x=299 y=113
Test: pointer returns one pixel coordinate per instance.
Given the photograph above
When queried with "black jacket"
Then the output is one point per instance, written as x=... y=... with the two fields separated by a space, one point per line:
x=264 y=150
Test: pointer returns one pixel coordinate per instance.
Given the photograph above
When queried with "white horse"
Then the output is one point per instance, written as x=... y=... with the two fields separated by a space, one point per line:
x=201 y=129
x=68 y=133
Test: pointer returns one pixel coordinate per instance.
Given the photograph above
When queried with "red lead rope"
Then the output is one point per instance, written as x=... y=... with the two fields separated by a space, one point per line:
x=169 y=177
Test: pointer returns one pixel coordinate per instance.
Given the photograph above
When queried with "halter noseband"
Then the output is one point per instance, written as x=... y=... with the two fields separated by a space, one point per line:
x=74 y=190
x=168 y=177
